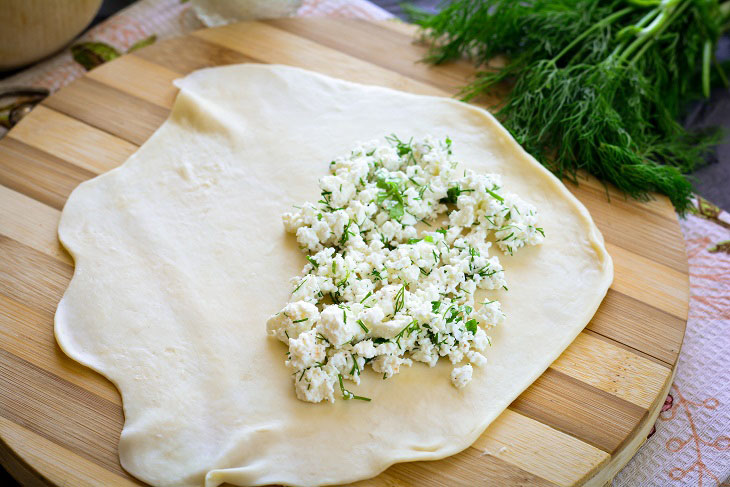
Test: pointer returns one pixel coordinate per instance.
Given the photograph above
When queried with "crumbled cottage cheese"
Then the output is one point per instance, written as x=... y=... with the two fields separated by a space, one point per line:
x=378 y=292
x=461 y=376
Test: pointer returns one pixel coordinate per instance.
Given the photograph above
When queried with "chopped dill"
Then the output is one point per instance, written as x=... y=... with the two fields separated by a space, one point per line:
x=347 y=394
x=400 y=299
x=495 y=196
x=300 y=285
x=471 y=325
x=362 y=325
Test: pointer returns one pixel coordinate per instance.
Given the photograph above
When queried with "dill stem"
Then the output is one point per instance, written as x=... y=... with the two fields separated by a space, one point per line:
x=645 y=3
x=602 y=23
x=639 y=25
x=706 y=60
x=657 y=26
x=677 y=12
x=725 y=16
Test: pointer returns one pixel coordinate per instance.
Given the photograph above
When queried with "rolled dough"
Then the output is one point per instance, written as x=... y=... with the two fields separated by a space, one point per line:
x=181 y=256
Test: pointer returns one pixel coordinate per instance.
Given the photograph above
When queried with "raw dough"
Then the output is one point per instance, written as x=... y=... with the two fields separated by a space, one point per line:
x=181 y=257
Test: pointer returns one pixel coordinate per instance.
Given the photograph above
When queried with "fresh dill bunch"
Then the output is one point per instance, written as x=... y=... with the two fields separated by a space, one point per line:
x=597 y=85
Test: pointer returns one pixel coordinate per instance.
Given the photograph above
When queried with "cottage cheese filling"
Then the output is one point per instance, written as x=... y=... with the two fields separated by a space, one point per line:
x=377 y=292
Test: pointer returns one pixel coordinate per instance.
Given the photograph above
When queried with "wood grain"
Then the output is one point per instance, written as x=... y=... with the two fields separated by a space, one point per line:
x=276 y=46
x=66 y=138
x=461 y=470
x=156 y=88
x=106 y=108
x=60 y=422
x=669 y=287
x=658 y=205
x=521 y=441
x=60 y=465
x=380 y=40
x=32 y=223
x=639 y=326
x=579 y=409
x=31 y=339
x=37 y=174
x=631 y=228
x=186 y=54
x=612 y=369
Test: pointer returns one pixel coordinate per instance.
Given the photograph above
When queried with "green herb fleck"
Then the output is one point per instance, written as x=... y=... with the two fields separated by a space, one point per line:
x=347 y=394
x=362 y=325
x=494 y=195
x=393 y=194
x=400 y=299
x=471 y=325
x=300 y=285
x=452 y=194
x=401 y=147
x=346 y=233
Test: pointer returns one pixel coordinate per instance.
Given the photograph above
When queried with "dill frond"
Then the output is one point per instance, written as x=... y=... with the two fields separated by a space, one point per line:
x=595 y=85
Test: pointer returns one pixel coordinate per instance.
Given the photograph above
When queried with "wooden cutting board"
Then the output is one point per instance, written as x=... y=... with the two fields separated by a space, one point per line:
x=578 y=424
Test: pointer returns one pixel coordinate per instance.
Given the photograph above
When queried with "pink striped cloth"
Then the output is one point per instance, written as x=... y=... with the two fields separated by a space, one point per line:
x=691 y=444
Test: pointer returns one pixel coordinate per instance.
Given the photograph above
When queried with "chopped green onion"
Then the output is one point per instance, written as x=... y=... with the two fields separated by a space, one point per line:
x=362 y=325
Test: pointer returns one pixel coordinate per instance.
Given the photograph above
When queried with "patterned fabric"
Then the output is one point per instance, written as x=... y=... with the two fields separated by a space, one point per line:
x=691 y=443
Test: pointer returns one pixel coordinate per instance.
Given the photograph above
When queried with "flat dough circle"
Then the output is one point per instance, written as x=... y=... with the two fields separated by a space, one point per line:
x=181 y=256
